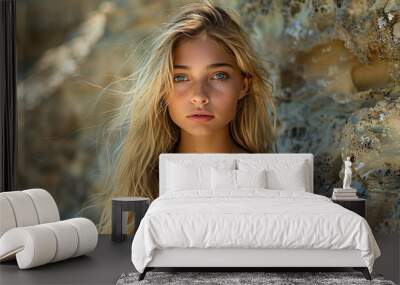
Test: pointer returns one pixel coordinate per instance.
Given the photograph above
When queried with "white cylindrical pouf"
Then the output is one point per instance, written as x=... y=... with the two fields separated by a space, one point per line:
x=46 y=207
x=34 y=245
x=23 y=208
x=7 y=218
x=45 y=243
x=87 y=233
x=66 y=237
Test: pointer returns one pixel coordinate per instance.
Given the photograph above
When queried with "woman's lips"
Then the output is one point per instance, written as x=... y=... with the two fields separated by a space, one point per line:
x=201 y=118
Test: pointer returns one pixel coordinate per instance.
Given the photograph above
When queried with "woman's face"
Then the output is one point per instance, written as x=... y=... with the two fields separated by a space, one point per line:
x=206 y=78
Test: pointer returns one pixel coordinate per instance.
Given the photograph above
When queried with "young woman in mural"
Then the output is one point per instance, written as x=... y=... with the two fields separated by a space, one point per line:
x=200 y=63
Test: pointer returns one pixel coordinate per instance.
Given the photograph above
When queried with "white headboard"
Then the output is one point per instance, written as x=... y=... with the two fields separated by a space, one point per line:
x=201 y=157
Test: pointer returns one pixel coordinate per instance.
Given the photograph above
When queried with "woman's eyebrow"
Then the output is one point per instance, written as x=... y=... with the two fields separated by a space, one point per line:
x=214 y=65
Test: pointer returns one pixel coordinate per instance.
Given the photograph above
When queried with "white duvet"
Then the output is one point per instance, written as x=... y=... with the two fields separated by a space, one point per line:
x=251 y=218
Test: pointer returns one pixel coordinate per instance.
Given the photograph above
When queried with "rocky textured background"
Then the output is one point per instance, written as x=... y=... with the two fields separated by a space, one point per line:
x=336 y=76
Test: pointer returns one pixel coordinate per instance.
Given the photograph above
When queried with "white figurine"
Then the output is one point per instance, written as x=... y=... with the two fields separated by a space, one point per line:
x=347 y=174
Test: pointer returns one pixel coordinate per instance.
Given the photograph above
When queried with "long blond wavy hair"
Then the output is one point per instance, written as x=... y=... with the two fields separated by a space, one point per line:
x=143 y=128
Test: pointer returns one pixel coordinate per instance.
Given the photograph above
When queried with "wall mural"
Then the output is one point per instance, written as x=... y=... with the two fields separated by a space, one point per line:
x=335 y=68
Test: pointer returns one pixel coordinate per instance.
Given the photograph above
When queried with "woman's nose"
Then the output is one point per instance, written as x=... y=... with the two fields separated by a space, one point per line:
x=199 y=99
x=200 y=95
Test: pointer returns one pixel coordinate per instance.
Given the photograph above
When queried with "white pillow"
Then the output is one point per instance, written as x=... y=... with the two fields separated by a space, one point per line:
x=251 y=178
x=282 y=174
x=189 y=175
x=183 y=178
x=294 y=180
x=237 y=179
x=223 y=179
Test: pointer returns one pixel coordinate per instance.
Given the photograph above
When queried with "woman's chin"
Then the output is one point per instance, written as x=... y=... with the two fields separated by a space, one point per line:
x=200 y=131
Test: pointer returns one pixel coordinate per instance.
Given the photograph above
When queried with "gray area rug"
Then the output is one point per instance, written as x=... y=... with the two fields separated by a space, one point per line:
x=228 y=278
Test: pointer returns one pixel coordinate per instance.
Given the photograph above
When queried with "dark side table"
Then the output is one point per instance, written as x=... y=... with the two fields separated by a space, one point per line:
x=357 y=205
x=137 y=205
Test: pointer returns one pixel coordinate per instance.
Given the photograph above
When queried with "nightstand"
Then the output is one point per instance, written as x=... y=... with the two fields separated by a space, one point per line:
x=137 y=205
x=357 y=205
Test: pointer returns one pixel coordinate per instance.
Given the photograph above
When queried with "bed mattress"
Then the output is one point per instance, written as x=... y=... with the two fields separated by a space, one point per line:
x=250 y=219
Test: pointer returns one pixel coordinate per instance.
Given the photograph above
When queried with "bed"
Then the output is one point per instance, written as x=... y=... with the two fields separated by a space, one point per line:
x=247 y=210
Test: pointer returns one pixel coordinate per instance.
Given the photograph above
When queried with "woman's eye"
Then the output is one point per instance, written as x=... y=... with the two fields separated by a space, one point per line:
x=221 y=75
x=178 y=76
